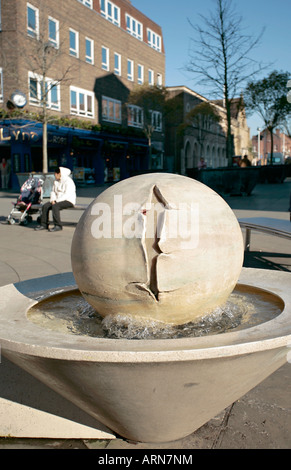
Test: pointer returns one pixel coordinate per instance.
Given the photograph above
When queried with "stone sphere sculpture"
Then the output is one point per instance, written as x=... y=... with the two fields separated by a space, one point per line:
x=158 y=246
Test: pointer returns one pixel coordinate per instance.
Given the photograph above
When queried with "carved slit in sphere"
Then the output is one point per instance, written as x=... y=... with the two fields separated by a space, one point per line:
x=153 y=224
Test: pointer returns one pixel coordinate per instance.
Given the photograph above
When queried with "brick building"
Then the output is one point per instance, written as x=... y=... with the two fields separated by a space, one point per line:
x=90 y=54
x=281 y=145
x=205 y=139
x=239 y=126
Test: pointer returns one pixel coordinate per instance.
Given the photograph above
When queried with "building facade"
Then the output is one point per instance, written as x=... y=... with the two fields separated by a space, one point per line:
x=205 y=139
x=77 y=60
x=196 y=141
x=239 y=126
x=261 y=146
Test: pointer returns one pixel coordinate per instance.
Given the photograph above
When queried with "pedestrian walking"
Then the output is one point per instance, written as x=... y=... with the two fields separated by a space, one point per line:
x=5 y=173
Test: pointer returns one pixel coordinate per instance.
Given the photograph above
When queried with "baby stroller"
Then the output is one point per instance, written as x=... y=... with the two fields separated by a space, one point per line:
x=30 y=195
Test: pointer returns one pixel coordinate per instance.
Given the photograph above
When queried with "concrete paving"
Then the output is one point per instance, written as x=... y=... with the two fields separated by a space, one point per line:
x=259 y=420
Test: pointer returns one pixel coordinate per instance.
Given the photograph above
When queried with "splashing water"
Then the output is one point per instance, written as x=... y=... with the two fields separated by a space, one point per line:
x=71 y=314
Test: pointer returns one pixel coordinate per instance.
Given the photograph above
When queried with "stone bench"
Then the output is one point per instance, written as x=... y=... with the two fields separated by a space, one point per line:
x=280 y=228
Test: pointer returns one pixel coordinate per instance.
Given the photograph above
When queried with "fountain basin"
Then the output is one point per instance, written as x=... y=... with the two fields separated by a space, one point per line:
x=146 y=390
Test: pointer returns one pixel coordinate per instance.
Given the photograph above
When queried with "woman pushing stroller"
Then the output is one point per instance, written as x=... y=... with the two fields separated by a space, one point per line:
x=63 y=196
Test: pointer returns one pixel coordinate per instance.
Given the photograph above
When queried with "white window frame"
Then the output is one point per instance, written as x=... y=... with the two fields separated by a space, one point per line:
x=108 y=105
x=1 y=85
x=135 y=116
x=36 y=101
x=54 y=42
x=130 y=70
x=159 y=80
x=154 y=40
x=89 y=58
x=117 y=63
x=78 y=111
x=110 y=11
x=56 y=86
x=134 y=27
x=74 y=51
x=140 y=74
x=157 y=120
x=87 y=3
x=33 y=33
x=33 y=100
x=105 y=64
x=151 y=77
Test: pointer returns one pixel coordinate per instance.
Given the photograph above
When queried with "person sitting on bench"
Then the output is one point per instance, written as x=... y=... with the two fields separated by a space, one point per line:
x=63 y=196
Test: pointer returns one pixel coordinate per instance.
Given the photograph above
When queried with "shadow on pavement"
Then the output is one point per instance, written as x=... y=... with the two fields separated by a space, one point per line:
x=263 y=260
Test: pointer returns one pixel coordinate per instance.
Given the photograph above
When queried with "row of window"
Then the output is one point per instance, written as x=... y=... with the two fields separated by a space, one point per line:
x=54 y=39
x=82 y=103
x=108 y=10
x=105 y=61
x=134 y=27
x=130 y=70
x=87 y=3
x=112 y=112
x=48 y=92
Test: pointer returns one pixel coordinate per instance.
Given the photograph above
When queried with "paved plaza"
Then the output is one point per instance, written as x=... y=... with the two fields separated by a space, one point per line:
x=259 y=420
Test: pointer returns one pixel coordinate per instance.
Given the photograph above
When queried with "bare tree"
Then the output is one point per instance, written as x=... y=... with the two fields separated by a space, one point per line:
x=41 y=63
x=43 y=58
x=220 y=57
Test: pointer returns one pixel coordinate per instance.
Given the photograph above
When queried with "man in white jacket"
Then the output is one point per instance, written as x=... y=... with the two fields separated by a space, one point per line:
x=63 y=196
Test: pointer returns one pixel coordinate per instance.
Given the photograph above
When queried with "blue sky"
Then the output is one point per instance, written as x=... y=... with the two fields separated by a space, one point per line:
x=172 y=16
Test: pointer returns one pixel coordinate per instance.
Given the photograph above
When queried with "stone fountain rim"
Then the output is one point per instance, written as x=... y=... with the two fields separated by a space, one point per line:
x=33 y=340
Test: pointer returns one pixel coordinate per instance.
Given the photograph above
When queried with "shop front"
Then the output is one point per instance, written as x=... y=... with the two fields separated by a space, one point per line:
x=93 y=156
x=16 y=140
x=123 y=159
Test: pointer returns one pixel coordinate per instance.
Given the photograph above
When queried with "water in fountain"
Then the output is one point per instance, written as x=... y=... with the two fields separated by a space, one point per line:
x=70 y=313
